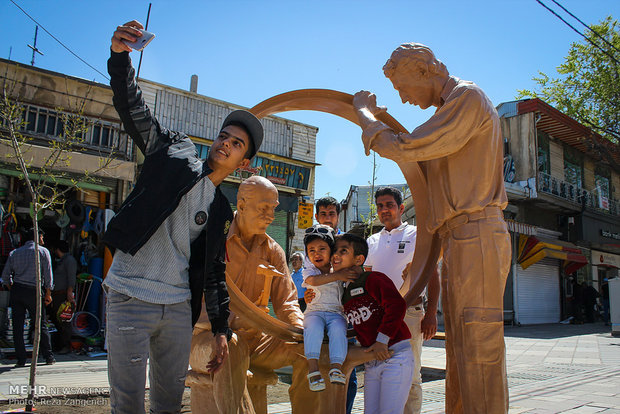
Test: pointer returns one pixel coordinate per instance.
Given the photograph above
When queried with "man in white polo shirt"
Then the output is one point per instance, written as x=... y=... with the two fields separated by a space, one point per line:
x=390 y=251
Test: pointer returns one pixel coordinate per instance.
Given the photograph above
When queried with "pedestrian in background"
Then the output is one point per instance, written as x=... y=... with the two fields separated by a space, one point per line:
x=605 y=294
x=64 y=284
x=20 y=266
x=297 y=260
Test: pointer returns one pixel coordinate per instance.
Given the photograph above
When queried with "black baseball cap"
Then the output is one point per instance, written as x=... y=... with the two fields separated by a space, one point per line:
x=250 y=122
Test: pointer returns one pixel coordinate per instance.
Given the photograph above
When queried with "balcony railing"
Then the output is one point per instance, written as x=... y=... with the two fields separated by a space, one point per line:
x=577 y=195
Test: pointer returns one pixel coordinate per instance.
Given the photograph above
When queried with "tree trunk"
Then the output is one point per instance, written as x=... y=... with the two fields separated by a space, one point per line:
x=39 y=304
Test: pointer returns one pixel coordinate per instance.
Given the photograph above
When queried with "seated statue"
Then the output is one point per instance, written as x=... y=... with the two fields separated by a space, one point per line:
x=250 y=249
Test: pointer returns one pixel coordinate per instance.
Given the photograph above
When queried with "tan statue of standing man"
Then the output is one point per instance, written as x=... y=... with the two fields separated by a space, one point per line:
x=460 y=152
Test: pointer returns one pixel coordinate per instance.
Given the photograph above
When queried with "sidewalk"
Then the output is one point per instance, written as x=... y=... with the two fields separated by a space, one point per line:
x=551 y=369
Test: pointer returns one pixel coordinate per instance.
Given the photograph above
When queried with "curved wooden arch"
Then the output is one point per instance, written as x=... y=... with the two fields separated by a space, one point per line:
x=241 y=305
x=427 y=245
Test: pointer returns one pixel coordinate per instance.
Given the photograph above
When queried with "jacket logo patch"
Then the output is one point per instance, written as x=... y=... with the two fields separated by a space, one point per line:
x=357 y=291
x=200 y=218
x=226 y=226
x=357 y=316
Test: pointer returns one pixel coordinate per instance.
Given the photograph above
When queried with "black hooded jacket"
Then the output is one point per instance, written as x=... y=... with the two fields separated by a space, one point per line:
x=171 y=168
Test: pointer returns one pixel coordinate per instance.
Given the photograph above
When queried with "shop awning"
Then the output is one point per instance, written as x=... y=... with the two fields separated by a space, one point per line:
x=532 y=249
x=58 y=181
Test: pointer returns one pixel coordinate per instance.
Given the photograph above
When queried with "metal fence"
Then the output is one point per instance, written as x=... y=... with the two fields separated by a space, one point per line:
x=577 y=195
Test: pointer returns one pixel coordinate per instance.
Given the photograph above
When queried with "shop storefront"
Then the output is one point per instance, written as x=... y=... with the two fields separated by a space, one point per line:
x=81 y=222
x=542 y=266
x=604 y=266
x=538 y=291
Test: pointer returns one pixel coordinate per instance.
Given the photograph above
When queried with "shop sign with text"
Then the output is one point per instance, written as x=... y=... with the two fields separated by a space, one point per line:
x=304 y=218
x=605 y=259
x=283 y=173
x=610 y=234
x=278 y=172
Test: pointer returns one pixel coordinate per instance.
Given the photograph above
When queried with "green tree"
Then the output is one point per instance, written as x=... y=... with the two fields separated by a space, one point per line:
x=588 y=86
x=370 y=197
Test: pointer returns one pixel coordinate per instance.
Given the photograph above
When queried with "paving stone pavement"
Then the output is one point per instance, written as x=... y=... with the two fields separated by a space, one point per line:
x=551 y=369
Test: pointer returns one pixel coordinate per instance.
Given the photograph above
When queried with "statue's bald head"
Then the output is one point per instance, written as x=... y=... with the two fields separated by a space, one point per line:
x=255 y=185
x=257 y=200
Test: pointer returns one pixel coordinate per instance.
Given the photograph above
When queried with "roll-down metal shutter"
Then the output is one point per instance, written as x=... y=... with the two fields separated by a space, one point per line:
x=538 y=292
x=277 y=229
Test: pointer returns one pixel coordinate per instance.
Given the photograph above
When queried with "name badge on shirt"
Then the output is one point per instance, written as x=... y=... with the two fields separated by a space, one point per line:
x=357 y=291
x=402 y=245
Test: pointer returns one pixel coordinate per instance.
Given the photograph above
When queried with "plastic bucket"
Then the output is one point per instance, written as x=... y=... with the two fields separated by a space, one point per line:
x=85 y=324
x=95 y=268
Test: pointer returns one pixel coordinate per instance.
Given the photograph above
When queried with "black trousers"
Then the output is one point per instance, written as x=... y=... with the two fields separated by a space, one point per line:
x=25 y=298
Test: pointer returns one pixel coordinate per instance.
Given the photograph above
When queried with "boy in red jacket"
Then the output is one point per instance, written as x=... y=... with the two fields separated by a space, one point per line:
x=377 y=310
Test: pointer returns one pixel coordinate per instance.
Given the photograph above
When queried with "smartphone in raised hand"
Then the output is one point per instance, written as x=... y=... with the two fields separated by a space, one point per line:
x=142 y=41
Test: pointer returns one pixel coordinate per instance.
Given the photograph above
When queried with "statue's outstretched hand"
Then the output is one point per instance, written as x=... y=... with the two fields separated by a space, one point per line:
x=365 y=104
x=364 y=100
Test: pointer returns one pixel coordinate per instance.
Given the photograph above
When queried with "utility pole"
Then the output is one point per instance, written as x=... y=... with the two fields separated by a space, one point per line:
x=34 y=48
x=148 y=16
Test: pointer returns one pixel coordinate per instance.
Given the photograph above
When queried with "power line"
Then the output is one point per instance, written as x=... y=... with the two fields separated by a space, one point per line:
x=576 y=31
x=56 y=39
x=585 y=25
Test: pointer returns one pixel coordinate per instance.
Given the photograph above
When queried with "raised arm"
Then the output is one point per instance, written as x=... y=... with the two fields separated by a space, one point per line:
x=429 y=322
x=345 y=275
x=460 y=117
x=141 y=126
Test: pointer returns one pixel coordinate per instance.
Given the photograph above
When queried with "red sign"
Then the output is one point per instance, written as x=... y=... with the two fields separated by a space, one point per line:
x=276 y=180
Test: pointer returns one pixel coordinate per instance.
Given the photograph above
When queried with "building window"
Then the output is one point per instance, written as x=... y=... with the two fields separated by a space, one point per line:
x=544 y=163
x=103 y=135
x=202 y=150
x=572 y=173
x=602 y=179
x=42 y=121
x=602 y=185
x=573 y=166
x=99 y=133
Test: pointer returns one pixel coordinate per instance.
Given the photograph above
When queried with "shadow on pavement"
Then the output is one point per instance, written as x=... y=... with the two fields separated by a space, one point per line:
x=556 y=330
x=432 y=374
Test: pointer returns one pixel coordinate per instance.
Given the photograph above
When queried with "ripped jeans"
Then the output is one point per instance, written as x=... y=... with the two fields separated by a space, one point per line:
x=137 y=331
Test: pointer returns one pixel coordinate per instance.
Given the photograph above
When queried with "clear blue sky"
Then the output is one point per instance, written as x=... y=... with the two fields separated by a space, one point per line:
x=247 y=51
